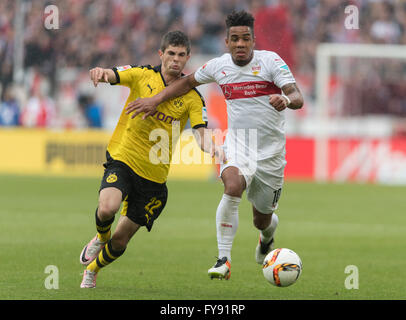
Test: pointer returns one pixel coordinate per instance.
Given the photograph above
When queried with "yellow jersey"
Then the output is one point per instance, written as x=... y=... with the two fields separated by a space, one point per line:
x=146 y=145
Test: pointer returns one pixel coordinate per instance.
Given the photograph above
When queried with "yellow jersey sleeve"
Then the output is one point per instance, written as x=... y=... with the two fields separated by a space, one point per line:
x=127 y=75
x=197 y=111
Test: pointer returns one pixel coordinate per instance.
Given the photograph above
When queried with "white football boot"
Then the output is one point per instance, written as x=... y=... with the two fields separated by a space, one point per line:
x=221 y=270
x=262 y=250
x=91 y=251
x=89 y=279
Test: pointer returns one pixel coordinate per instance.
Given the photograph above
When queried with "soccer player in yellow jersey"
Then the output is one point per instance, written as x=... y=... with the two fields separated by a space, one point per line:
x=133 y=173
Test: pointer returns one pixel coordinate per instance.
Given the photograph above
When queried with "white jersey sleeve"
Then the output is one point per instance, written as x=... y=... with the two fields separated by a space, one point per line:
x=206 y=73
x=280 y=71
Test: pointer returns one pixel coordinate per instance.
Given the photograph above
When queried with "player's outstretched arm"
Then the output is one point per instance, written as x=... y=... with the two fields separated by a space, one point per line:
x=175 y=89
x=291 y=98
x=204 y=139
x=102 y=75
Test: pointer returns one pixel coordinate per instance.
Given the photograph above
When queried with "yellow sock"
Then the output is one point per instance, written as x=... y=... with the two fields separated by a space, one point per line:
x=93 y=266
x=105 y=236
x=106 y=256
x=103 y=228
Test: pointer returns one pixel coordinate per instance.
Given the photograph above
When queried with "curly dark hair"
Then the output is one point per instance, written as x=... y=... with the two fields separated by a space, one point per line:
x=176 y=39
x=240 y=18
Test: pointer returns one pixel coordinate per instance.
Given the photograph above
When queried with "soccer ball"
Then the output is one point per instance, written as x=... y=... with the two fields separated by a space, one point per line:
x=282 y=267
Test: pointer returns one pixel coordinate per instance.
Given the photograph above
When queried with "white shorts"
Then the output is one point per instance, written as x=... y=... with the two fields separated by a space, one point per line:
x=264 y=180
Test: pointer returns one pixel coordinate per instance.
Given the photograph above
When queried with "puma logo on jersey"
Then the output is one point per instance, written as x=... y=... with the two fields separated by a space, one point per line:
x=149 y=87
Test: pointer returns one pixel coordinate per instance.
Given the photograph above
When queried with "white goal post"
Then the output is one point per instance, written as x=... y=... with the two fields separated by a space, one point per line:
x=325 y=53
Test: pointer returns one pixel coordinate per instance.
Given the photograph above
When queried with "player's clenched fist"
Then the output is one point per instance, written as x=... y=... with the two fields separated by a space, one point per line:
x=278 y=101
x=99 y=75
x=218 y=153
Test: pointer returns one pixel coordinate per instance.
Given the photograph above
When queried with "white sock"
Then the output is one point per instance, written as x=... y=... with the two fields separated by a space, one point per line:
x=268 y=233
x=227 y=224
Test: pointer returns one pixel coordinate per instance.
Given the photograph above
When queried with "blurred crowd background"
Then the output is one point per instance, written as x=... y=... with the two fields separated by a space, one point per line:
x=118 y=32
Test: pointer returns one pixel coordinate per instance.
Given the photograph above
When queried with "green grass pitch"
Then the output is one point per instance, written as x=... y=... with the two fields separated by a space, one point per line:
x=47 y=220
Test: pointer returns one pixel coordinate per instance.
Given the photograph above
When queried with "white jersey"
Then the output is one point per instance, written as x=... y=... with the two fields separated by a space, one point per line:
x=246 y=90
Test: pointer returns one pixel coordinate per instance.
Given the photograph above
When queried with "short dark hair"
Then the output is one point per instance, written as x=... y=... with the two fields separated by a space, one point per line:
x=176 y=39
x=240 y=18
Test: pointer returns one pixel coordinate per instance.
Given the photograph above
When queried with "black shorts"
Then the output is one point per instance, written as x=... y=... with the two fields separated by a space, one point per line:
x=143 y=199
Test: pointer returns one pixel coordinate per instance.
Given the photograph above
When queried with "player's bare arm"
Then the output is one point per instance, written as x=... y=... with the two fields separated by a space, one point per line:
x=291 y=98
x=175 y=89
x=102 y=75
x=204 y=139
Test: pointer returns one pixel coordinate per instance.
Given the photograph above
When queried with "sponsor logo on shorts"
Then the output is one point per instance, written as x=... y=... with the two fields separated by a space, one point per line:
x=111 y=178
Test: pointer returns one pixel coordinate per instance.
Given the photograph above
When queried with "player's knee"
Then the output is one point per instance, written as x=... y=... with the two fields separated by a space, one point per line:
x=234 y=182
x=107 y=209
x=233 y=189
x=261 y=222
x=109 y=203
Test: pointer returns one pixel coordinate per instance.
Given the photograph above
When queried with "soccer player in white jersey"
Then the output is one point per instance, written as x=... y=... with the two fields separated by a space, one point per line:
x=258 y=86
